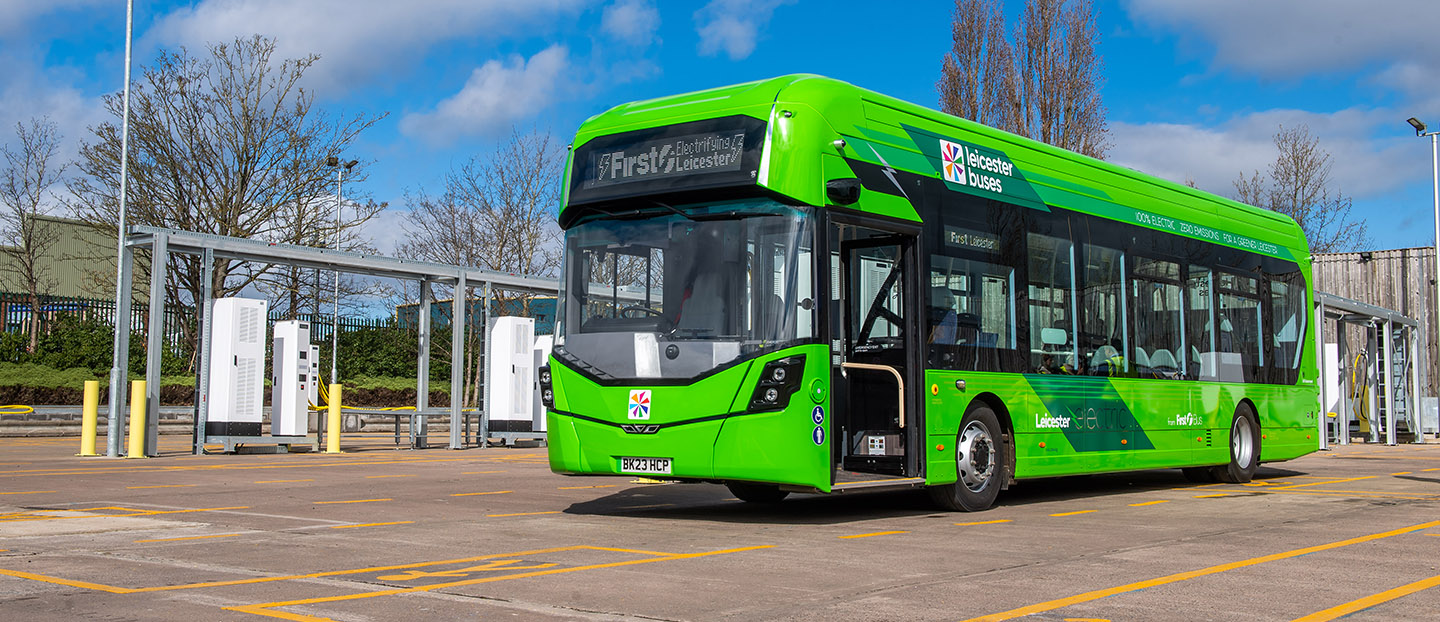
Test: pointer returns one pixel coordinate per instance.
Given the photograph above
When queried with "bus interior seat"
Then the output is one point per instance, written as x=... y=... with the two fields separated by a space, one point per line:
x=1141 y=358
x=1162 y=358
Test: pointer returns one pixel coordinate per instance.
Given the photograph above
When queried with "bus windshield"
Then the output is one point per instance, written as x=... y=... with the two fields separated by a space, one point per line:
x=663 y=291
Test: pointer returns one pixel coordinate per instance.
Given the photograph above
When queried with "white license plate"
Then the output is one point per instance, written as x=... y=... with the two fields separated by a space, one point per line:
x=649 y=466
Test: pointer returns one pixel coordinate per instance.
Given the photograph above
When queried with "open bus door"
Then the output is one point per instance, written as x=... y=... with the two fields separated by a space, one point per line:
x=875 y=368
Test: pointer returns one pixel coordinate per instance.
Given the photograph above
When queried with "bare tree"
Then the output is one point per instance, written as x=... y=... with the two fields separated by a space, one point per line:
x=498 y=214
x=225 y=142
x=1297 y=184
x=1045 y=84
x=29 y=174
x=977 y=77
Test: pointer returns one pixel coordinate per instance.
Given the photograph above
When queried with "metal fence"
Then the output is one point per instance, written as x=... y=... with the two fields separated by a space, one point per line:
x=179 y=320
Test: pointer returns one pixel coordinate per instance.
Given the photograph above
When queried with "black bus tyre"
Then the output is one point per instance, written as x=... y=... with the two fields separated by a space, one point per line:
x=1244 y=450
x=980 y=464
x=751 y=492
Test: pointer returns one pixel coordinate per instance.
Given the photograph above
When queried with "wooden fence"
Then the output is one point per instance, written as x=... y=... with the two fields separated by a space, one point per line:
x=1402 y=280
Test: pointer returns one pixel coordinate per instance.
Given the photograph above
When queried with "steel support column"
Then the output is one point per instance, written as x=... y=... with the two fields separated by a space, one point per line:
x=458 y=324
x=202 y=379
x=120 y=355
x=1389 y=370
x=155 y=342
x=1318 y=328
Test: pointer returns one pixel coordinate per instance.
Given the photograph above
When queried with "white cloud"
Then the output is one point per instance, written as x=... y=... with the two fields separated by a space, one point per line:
x=733 y=26
x=1214 y=156
x=357 y=39
x=1281 y=39
x=631 y=21
x=497 y=95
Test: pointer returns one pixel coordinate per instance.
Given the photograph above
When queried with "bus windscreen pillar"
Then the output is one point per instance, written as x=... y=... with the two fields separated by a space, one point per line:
x=291 y=381
x=237 y=367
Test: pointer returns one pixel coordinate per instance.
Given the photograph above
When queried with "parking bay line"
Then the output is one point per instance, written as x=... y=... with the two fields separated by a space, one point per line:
x=1340 y=611
x=871 y=535
x=1094 y=595
x=267 y=609
x=352 y=501
x=314 y=575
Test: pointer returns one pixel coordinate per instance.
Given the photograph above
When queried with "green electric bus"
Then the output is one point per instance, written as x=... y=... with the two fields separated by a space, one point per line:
x=798 y=285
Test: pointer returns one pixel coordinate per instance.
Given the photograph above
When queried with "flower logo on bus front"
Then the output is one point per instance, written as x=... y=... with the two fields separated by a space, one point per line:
x=639 y=404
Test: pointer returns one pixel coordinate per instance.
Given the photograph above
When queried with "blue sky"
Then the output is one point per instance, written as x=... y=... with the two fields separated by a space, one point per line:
x=1194 y=89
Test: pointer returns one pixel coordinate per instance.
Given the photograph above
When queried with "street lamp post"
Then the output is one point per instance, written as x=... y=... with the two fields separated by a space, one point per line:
x=340 y=171
x=1435 y=171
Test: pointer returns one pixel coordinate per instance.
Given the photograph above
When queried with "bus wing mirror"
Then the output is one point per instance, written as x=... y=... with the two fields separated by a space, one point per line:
x=1053 y=336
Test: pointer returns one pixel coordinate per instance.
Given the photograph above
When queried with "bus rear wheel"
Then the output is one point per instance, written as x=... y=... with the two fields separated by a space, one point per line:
x=751 y=492
x=1244 y=450
x=980 y=464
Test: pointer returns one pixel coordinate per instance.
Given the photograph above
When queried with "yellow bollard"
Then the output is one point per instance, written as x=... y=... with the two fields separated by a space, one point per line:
x=332 y=422
x=137 y=419
x=90 y=416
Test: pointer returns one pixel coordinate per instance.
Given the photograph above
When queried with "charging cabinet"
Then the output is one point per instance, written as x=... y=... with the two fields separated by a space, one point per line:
x=237 y=367
x=511 y=375
x=543 y=344
x=291 y=379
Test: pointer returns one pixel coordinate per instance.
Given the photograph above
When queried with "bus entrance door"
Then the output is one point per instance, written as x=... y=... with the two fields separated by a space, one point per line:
x=873 y=369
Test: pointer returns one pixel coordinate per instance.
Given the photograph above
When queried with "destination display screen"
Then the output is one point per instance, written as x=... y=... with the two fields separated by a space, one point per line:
x=700 y=154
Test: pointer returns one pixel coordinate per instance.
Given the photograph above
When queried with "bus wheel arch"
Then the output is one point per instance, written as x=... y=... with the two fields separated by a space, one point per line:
x=1007 y=432
x=1243 y=439
x=982 y=462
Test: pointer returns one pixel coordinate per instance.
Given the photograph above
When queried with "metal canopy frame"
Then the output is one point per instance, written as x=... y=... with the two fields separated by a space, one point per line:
x=162 y=242
x=1382 y=326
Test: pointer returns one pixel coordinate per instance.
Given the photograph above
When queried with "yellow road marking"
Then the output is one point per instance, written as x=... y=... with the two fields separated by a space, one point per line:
x=354 y=501
x=1136 y=505
x=267 y=609
x=584 y=487
x=283 y=481
x=1353 y=606
x=983 y=522
x=494 y=564
x=1215 y=496
x=1087 y=619
x=1094 y=595
x=871 y=535
x=480 y=472
x=161 y=486
x=79 y=513
x=1330 y=481
x=521 y=514
x=331 y=573
x=218 y=535
x=26 y=492
x=1401 y=473
x=1429 y=470
x=1072 y=513
x=471 y=494
x=403 y=522
x=385 y=476
x=643 y=507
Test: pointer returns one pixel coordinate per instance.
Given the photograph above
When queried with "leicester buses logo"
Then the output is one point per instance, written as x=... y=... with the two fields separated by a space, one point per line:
x=640 y=404
x=952 y=156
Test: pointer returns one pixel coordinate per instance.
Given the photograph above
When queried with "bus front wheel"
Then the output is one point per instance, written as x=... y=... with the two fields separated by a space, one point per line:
x=750 y=492
x=1244 y=449
x=979 y=464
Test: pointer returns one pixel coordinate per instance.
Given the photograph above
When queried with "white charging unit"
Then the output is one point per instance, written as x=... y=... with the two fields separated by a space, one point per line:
x=510 y=377
x=290 y=379
x=237 y=367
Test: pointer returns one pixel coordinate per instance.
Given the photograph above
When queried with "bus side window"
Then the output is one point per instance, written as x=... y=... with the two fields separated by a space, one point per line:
x=1052 y=306
x=1239 y=328
x=1155 y=299
x=1288 y=319
x=1199 y=324
x=1103 y=330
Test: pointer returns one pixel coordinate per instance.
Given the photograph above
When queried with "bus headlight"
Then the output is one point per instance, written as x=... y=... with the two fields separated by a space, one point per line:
x=779 y=379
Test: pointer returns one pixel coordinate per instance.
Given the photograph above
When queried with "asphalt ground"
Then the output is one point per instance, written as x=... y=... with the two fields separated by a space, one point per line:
x=490 y=534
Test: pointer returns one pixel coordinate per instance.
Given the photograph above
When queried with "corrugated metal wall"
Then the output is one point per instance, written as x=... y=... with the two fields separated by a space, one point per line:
x=1400 y=279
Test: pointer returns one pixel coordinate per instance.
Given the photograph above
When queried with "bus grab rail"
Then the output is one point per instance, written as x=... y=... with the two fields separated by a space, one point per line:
x=899 y=381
